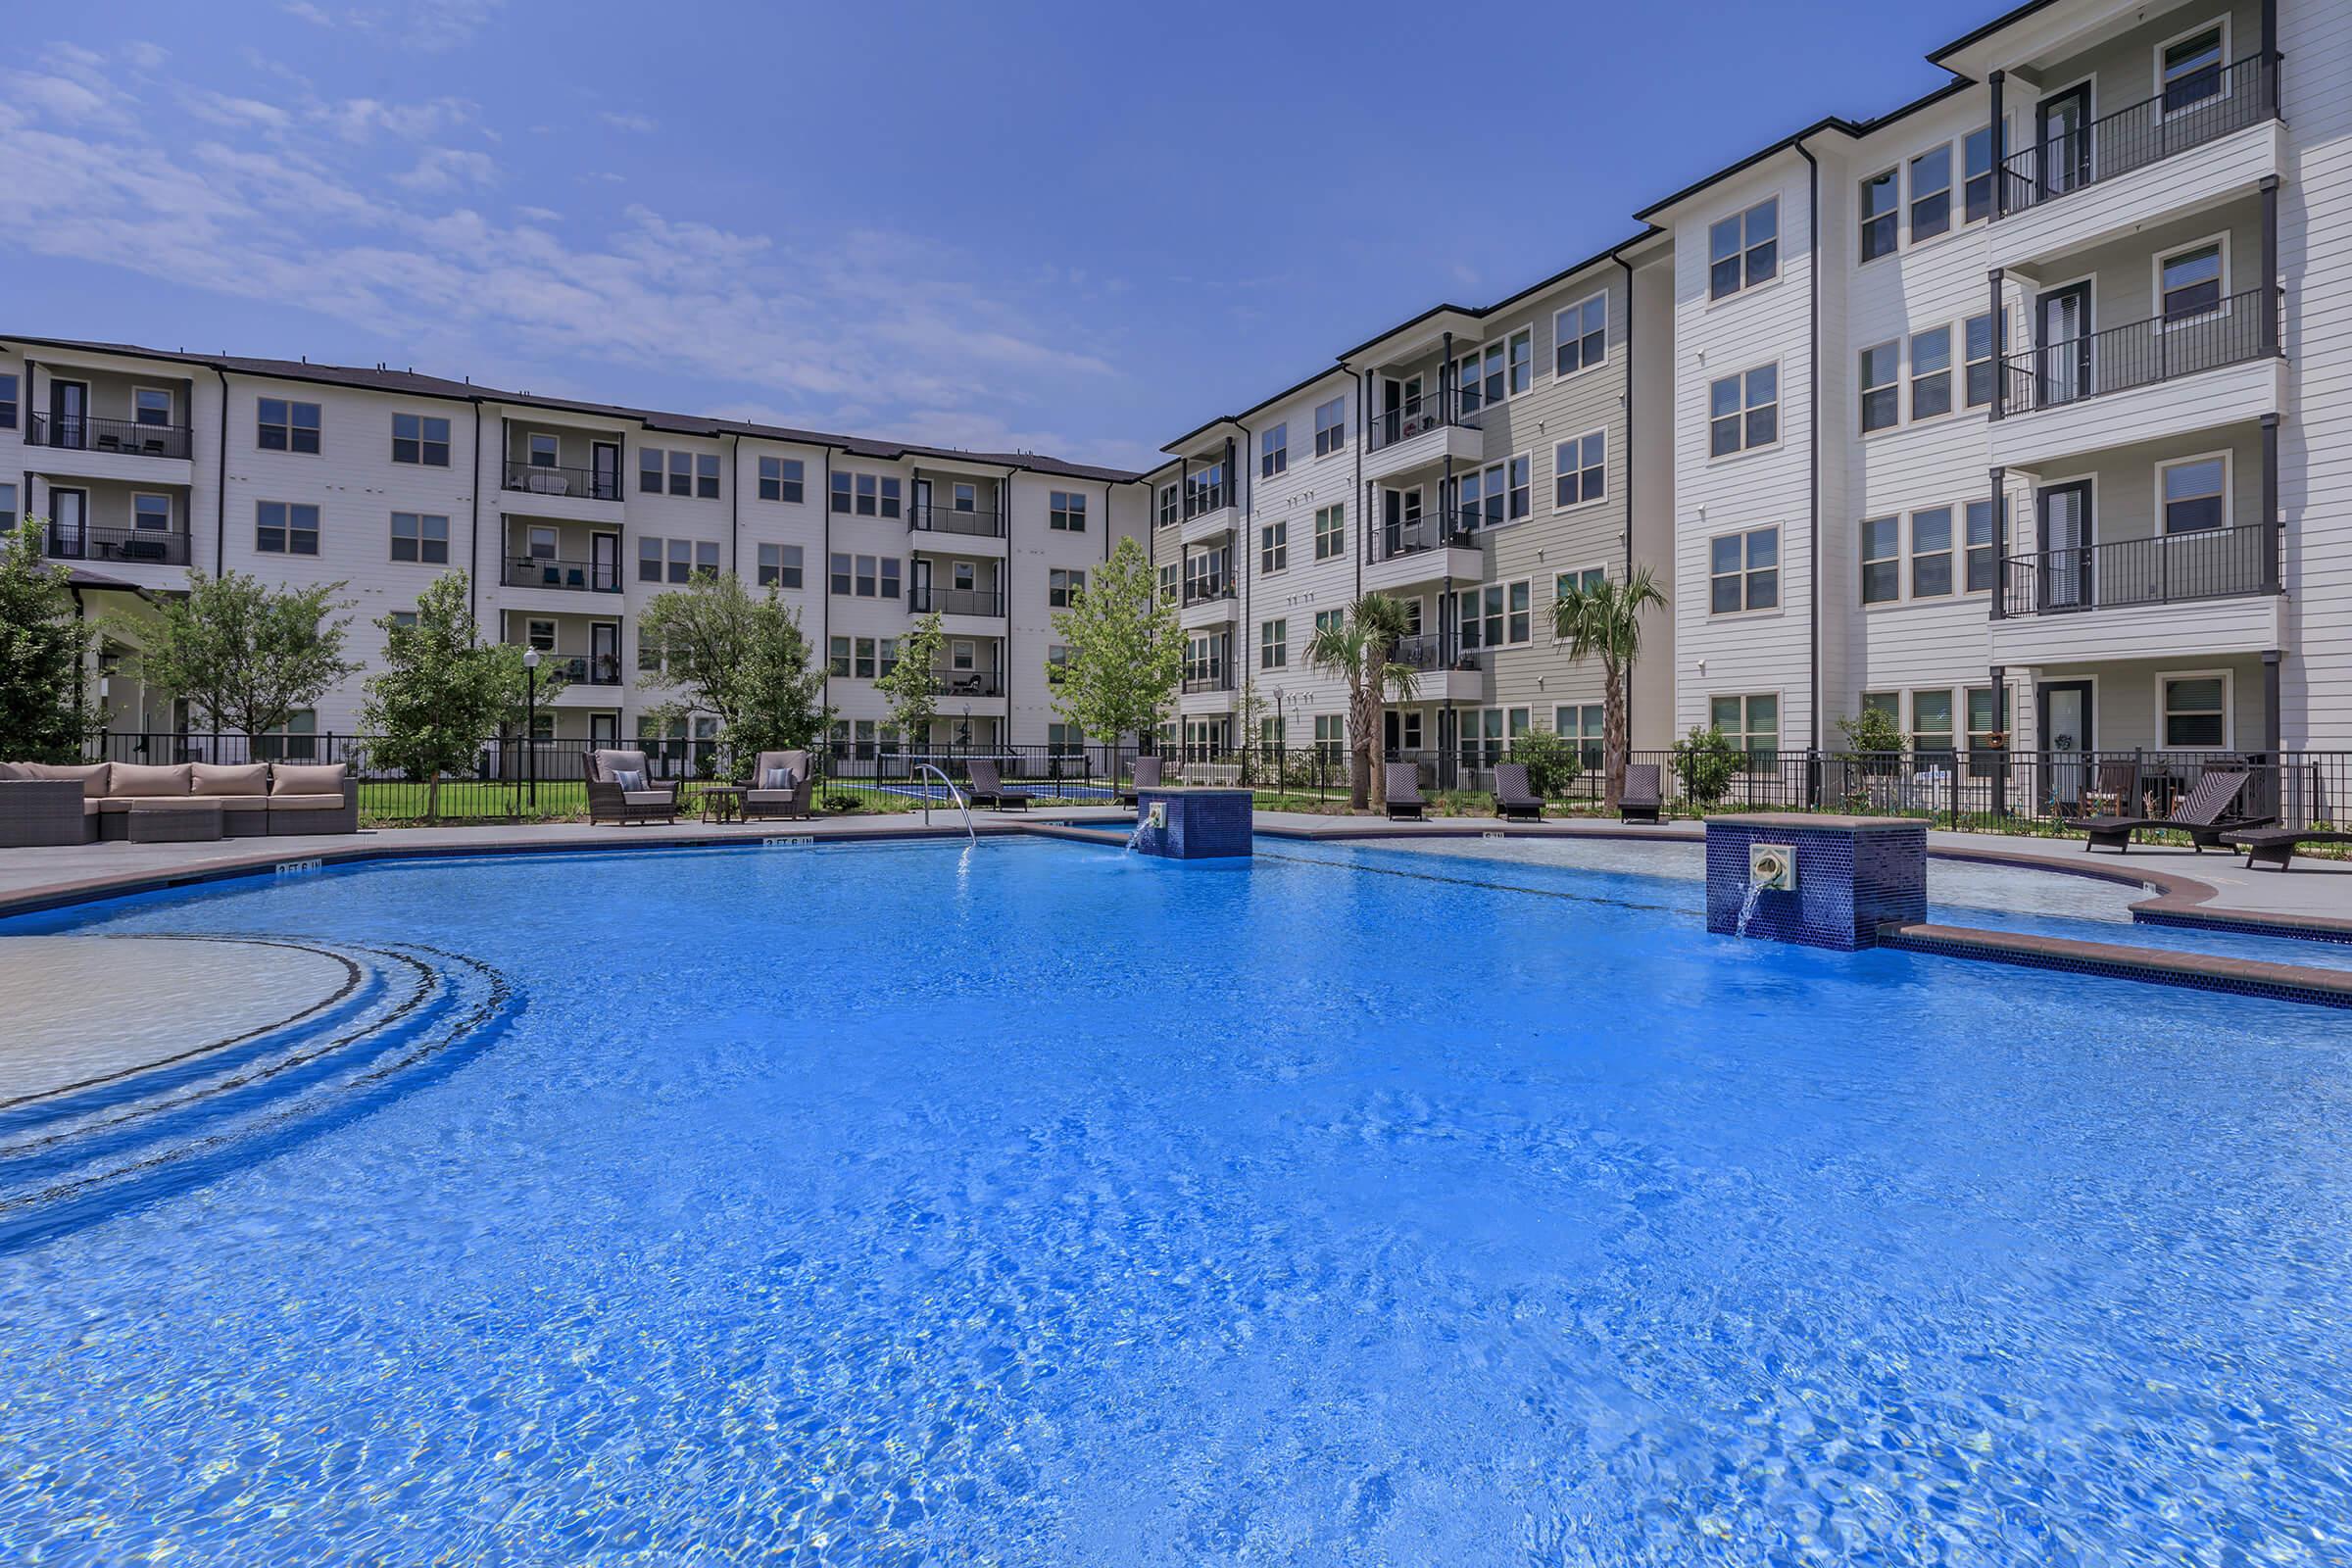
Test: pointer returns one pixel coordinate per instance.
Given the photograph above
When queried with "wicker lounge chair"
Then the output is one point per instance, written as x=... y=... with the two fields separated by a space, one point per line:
x=2204 y=815
x=1515 y=801
x=1403 y=782
x=988 y=788
x=760 y=801
x=1146 y=777
x=608 y=802
x=1639 y=799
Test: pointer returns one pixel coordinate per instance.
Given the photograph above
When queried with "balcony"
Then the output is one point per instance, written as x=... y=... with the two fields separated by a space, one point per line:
x=1208 y=515
x=2194 y=111
x=964 y=522
x=548 y=479
x=1424 y=550
x=582 y=669
x=146 y=547
x=564 y=576
x=1448 y=673
x=122 y=449
x=1422 y=432
x=1201 y=680
x=2054 y=398
x=1209 y=600
x=984 y=603
x=2213 y=591
x=952 y=682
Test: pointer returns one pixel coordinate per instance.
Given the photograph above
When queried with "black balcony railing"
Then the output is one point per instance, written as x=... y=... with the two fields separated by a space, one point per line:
x=2165 y=569
x=1205 y=590
x=1430 y=531
x=1213 y=677
x=582 y=669
x=956 y=600
x=572 y=576
x=1421 y=415
x=2195 y=109
x=1200 y=500
x=972 y=524
x=81 y=433
x=152 y=547
x=2233 y=330
x=1429 y=653
x=952 y=682
x=545 y=480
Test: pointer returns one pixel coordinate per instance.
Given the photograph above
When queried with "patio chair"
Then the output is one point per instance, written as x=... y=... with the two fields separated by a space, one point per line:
x=1639 y=799
x=2275 y=846
x=2204 y=813
x=2118 y=784
x=988 y=788
x=1515 y=801
x=1146 y=777
x=635 y=799
x=1403 y=789
x=765 y=798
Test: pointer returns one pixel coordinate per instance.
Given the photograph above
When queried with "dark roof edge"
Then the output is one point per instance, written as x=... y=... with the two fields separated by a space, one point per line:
x=1829 y=123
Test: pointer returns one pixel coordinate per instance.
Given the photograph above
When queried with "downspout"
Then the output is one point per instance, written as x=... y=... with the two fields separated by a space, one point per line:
x=824 y=601
x=1813 y=439
x=735 y=504
x=1363 y=498
x=473 y=543
x=1630 y=466
x=1246 y=502
x=220 y=481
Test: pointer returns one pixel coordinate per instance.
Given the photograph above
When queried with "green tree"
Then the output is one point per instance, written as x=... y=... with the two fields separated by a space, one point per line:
x=1551 y=759
x=1872 y=733
x=1705 y=763
x=912 y=684
x=1126 y=647
x=441 y=692
x=1604 y=621
x=740 y=658
x=246 y=656
x=43 y=714
x=1359 y=648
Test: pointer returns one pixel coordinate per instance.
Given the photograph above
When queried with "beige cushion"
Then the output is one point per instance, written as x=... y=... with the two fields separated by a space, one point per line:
x=647 y=797
x=92 y=776
x=305 y=778
x=8 y=773
x=771 y=796
x=220 y=778
x=138 y=781
x=609 y=761
x=234 y=803
x=306 y=802
x=167 y=802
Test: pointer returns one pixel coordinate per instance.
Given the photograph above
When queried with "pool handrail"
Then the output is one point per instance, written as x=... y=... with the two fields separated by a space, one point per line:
x=953 y=794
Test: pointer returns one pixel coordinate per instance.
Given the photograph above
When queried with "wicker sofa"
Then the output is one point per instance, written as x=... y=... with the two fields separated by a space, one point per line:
x=608 y=802
x=89 y=803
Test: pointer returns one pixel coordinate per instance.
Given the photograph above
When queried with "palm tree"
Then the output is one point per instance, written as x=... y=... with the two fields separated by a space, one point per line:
x=1357 y=648
x=1604 y=620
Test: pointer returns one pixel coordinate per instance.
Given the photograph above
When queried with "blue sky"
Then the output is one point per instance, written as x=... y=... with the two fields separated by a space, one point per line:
x=1080 y=229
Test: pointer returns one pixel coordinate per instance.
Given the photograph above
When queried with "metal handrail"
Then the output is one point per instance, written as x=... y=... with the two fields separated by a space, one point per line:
x=1418 y=416
x=2143 y=353
x=2224 y=100
x=82 y=432
x=548 y=479
x=953 y=794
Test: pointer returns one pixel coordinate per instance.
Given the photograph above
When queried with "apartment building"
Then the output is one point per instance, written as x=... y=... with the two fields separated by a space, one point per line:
x=568 y=518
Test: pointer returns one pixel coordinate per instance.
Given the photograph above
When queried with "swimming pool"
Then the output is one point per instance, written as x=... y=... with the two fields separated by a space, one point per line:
x=1036 y=1204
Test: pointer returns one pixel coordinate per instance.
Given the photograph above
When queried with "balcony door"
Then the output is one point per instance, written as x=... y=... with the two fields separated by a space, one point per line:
x=69 y=413
x=2066 y=738
x=1400 y=397
x=922 y=503
x=2068 y=535
x=918 y=589
x=604 y=654
x=2063 y=137
x=604 y=458
x=2062 y=369
x=69 y=523
x=1399 y=520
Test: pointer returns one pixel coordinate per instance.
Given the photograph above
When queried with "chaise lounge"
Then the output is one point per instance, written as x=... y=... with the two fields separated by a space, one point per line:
x=1515 y=801
x=1402 y=783
x=2204 y=815
x=91 y=803
x=1146 y=777
x=988 y=788
x=620 y=789
x=1638 y=800
x=2275 y=846
x=782 y=785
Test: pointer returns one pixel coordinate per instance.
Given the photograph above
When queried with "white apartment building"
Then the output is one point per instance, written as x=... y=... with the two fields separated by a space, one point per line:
x=568 y=518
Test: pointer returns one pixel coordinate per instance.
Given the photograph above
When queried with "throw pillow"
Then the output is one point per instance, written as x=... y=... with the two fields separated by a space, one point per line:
x=628 y=778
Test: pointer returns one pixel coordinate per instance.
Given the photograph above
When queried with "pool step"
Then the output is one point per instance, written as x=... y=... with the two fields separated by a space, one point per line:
x=80 y=1154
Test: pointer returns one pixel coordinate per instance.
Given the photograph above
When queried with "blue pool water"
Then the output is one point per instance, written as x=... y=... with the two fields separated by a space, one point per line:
x=1034 y=1204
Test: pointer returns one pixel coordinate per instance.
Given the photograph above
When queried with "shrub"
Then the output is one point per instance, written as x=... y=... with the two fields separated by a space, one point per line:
x=1705 y=763
x=1553 y=762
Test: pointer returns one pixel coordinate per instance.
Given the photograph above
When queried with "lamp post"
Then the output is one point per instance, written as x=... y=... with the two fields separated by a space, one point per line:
x=531 y=723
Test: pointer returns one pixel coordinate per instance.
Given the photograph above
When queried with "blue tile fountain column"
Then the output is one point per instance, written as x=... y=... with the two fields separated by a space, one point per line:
x=1202 y=824
x=1853 y=875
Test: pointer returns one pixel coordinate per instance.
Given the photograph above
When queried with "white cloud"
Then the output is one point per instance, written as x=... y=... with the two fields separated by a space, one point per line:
x=445 y=168
x=642 y=125
x=431 y=26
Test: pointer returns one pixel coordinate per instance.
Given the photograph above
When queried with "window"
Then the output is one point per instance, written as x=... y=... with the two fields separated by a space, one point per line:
x=1588 y=579
x=1326 y=620
x=1881 y=561
x=7 y=505
x=1269 y=734
x=1274 y=450
x=1581 y=335
x=890 y=577
x=1057 y=660
x=1983 y=567
x=1168 y=582
x=2195 y=711
x=1331 y=532
x=1979 y=345
x=649 y=470
x=545 y=452
x=780 y=566
x=1930 y=724
x=1580 y=470
x=1882 y=404
x=1331 y=737
x=866 y=495
x=1204 y=491
x=2195 y=493
x=681 y=561
x=1167 y=506
x=8 y=402
x=1881 y=214
x=1931 y=193
x=2192 y=70
x=1986 y=717
x=782 y=479
x=2191 y=283
x=416 y=438
x=285 y=426
x=681 y=473
x=867 y=577
x=1330 y=426
x=152 y=405
x=1744 y=250
x=1064 y=587
x=1932 y=553
x=1743 y=412
x=1752 y=724
x=1744 y=571
x=1582 y=725
x=540 y=634
x=1501 y=493
x=1932 y=372
x=649 y=555
x=1274 y=645
x=1519 y=352
x=706 y=475
x=965 y=496
x=837 y=657
x=294 y=740
x=1064 y=741
x=1498 y=616
x=152 y=514
x=404 y=618
x=1067 y=513
x=1487 y=733
x=864 y=669
x=421 y=537
x=286 y=528
x=1976 y=168
x=1274 y=546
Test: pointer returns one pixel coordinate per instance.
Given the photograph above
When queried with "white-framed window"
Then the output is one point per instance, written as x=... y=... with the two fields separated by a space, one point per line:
x=1494 y=372
x=539 y=634
x=1881 y=214
x=1067 y=512
x=2195 y=493
x=1743 y=410
x=1274 y=546
x=1204 y=490
x=681 y=561
x=867 y=495
x=1331 y=425
x=1064 y=740
x=1751 y=723
x=1984 y=569
x=1273 y=645
x=1931 y=193
x=297 y=739
x=1331 y=737
x=404 y=618
x=1168 y=582
x=286 y=528
x=1976 y=173
x=1064 y=587
x=1580 y=470
x=1881 y=561
x=964 y=497
x=1269 y=734
x=648 y=553
x=1579 y=335
x=1932 y=372
x=1932 y=722
x=1744 y=571
x=421 y=537
x=1499 y=493
x=1331 y=531
x=2194 y=708
x=1744 y=249
x=8 y=401
x=1500 y=615
x=1980 y=347
x=1882 y=391
x=7 y=505
x=2189 y=68
x=1324 y=620
x=284 y=425
x=152 y=514
x=1583 y=724
x=1931 y=554
x=1987 y=714
x=783 y=479
x=1167 y=506
x=2192 y=281
x=1587 y=578
x=152 y=405
x=1274 y=450
x=837 y=656
x=420 y=438
x=541 y=450
x=780 y=566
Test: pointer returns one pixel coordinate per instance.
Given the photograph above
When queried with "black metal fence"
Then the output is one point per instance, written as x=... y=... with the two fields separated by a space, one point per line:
x=2162 y=348
x=2164 y=569
x=2195 y=108
x=549 y=479
x=81 y=433
x=975 y=524
x=154 y=547
x=1417 y=415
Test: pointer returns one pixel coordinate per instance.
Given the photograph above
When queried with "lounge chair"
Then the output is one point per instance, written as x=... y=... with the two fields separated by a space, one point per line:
x=1638 y=800
x=1515 y=801
x=1403 y=789
x=2275 y=846
x=2204 y=815
x=1146 y=777
x=610 y=802
x=761 y=799
x=988 y=788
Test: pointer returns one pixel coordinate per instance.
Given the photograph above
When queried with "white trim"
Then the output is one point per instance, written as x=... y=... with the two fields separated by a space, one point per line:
x=1954 y=373
x=1863 y=389
x=2229 y=458
x=2220 y=20
x=137 y=496
x=1606 y=488
x=2220 y=310
x=1780 y=406
x=1607 y=320
x=170 y=403
x=2227 y=677
x=1779 y=569
x=1898 y=213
